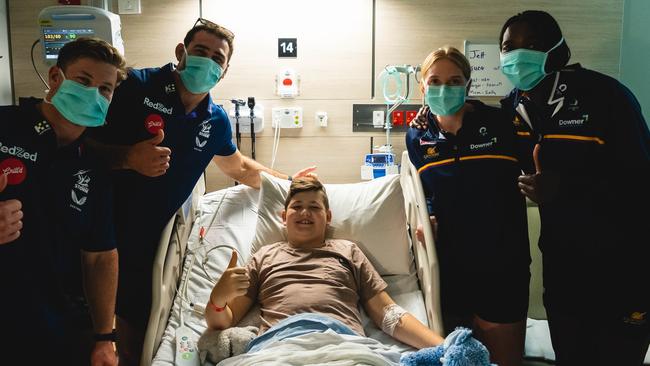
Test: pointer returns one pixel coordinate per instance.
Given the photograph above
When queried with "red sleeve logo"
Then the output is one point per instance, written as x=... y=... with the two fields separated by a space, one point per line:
x=14 y=169
x=153 y=123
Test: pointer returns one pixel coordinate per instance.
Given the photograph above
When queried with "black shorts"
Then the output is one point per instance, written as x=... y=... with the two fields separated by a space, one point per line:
x=498 y=297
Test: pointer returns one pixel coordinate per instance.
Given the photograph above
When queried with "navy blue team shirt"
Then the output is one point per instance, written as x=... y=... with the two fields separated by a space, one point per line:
x=594 y=242
x=145 y=102
x=470 y=181
x=42 y=267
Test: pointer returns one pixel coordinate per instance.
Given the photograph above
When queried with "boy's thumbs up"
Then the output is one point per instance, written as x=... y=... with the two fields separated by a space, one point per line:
x=233 y=260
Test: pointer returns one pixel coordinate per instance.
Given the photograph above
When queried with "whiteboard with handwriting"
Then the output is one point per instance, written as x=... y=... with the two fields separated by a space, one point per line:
x=487 y=79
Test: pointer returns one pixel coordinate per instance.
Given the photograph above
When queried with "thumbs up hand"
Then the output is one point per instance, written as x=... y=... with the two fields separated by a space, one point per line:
x=147 y=158
x=11 y=215
x=539 y=187
x=233 y=283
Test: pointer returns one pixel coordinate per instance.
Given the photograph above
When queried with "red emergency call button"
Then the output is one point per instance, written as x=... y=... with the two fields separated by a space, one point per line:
x=287 y=82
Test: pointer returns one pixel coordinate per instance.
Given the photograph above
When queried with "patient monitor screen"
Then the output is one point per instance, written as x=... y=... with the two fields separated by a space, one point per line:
x=55 y=38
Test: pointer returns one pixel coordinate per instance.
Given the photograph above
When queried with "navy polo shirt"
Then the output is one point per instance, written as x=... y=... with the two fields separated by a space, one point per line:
x=592 y=135
x=470 y=180
x=80 y=197
x=27 y=144
x=142 y=104
x=58 y=220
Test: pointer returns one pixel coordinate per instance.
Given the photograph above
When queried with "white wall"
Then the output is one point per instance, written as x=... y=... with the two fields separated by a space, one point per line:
x=635 y=52
x=5 y=64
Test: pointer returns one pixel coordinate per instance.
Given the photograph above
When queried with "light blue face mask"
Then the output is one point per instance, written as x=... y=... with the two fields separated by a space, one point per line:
x=200 y=74
x=525 y=68
x=444 y=100
x=81 y=105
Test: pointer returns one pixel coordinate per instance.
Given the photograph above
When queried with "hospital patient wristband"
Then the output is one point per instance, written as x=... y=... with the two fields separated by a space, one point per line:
x=103 y=337
x=215 y=307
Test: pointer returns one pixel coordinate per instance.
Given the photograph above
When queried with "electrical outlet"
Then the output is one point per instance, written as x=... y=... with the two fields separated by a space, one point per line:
x=378 y=119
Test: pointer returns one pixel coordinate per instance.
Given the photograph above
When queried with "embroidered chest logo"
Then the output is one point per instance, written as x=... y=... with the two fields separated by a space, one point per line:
x=431 y=152
x=482 y=131
x=170 y=88
x=574 y=105
x=516 y=121
x=427 y=139
x=576 y=122
x=82 y=185
x=14 y=169
x=204 y=133
x=18 y=152
x=158 y=106
x=42 y=127
x=485 y=145
x=636 y=318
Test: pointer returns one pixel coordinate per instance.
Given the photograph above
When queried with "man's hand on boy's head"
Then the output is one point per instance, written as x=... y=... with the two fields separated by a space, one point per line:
x=306 y=173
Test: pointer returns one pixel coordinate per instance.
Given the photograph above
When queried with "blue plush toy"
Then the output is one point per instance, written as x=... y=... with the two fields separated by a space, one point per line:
x=459 y=349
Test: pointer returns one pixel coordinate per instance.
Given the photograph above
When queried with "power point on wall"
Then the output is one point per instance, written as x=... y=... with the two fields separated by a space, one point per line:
x=128 y=6
x=321 y=119
x=378 y=119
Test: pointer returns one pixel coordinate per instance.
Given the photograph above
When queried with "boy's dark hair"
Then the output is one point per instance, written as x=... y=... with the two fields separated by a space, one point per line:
x=212 y=28
x=547 y=31
x=95 y=49
x=299 y=185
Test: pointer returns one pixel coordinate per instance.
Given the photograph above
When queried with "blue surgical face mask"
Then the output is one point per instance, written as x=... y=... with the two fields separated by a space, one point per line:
x=200 y=74
x=444 y=100
x=525 y=68
x=81 y=105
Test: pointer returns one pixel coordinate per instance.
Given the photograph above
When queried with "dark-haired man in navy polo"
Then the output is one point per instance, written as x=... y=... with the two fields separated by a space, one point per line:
x=163 y=130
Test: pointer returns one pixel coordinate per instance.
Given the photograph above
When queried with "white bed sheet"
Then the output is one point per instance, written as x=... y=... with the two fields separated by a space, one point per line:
x=235 y=225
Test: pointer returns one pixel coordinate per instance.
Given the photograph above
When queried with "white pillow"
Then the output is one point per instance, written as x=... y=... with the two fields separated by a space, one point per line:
x=371 y=214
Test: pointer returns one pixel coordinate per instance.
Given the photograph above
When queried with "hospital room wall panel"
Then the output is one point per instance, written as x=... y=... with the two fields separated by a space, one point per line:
x=339 y=116
x=408 y=30
x=335 y=56
x=151 y=37
x=334 y=41
x=24 y=31
x=338 y=161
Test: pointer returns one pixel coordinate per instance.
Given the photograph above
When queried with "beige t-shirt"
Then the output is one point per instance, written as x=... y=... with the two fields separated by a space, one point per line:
x=330 y=280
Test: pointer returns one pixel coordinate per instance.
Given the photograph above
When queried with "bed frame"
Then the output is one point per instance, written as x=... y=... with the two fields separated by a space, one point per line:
x=168 y=264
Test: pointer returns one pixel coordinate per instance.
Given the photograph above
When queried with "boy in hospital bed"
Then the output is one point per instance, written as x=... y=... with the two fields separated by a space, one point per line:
x=309 y=274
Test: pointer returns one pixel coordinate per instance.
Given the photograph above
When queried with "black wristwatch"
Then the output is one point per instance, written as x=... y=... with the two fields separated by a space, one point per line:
x=102 y=337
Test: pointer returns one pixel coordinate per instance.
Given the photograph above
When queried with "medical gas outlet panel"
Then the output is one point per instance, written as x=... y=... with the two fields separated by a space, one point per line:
x=286 y=117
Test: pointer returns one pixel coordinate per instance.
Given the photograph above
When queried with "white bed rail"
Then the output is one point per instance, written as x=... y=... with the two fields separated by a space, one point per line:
x=425 y=253
x=167 y=269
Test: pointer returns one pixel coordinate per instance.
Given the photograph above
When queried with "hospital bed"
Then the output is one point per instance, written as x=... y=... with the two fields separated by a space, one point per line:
x=185 y=269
